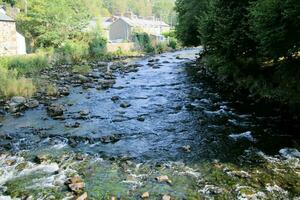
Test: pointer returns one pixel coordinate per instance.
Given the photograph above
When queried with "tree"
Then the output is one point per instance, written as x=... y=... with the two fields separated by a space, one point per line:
x=50 y=22
x=189 y=12
x=276 y=28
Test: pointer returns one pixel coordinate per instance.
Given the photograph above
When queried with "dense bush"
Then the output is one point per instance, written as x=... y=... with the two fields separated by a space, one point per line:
x=253 y=45
x=161 y=47
x=144 y=42
x=97 y=45
x=72 y=52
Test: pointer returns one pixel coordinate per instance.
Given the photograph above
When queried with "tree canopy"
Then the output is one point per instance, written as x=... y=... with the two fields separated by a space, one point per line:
x=256 y=43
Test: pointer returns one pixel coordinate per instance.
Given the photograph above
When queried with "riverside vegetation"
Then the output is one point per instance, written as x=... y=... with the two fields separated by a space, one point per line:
x=251 y=45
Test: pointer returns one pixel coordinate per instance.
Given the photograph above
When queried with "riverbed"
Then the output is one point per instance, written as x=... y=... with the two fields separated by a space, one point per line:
x=160 y=130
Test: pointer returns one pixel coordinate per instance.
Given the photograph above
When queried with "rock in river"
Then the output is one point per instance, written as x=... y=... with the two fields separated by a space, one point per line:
x=110 y=138
x=55 y=110
x=145 y=195
x=72 y=124
x=164 y=178
x=76 y=184
x=166 y=197
x=16 y=104
x=125 y=105
x=32 y=103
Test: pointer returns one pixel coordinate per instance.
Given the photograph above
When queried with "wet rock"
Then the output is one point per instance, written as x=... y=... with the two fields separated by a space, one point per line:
x=84 y=196
x=141 y=118
x=42 y=158
x=81 y=78
x=125 y=105
x=211 y=190
x=166 y=197
x=32 y=103
x=16 y=104
x=21 y=166
x=1 y=125
x=65 y=91
x=55 y=110
x=115 y=98
x=95 y=75
x=163 y=178
x=105 y=84
x=10 y=162
x=165 y=62
x=84 y=112
x=72 y=124
x=72 y=142
x=76 y=184
x=110 y=138
x=116 y=65
x=145 y=195
x=186 y=148
x=242 y=136
x=289 y=153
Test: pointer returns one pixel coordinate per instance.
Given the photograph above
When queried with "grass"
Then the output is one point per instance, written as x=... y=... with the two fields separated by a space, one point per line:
x=25 y=64
x=12 y=85
x=13 y=70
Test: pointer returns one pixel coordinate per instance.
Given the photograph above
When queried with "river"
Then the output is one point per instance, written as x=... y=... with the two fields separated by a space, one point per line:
x=161 y=120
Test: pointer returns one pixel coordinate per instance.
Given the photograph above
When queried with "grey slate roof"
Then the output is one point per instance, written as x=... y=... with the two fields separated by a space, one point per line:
x=137 y=22
x=4 y=17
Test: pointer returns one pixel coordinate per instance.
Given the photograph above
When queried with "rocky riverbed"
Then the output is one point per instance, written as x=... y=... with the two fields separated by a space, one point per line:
x=145 y=128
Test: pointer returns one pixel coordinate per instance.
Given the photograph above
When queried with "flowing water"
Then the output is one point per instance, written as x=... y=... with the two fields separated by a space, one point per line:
x=176 y=125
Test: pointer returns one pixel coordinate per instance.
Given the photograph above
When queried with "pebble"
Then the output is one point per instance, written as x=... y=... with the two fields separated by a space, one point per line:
x=163 y=178
x=166 y=197
x=145 y=195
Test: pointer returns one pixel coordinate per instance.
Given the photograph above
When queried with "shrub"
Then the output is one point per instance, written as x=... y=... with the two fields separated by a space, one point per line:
x=72 y=52
x=26 y=64
x=81 y=69
x=12 y=85
x=161 y=47
x=173 y=43
x=97 y=45
x=144 y=42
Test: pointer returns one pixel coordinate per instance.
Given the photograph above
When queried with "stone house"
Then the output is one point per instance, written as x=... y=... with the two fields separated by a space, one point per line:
x=11 y=42
x=123 y=28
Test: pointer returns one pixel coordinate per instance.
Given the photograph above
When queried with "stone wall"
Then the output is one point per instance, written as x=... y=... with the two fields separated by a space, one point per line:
x=8 y=38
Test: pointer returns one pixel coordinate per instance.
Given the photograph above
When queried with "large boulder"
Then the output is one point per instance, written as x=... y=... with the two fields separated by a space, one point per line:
x=16 y=104
x=55 y=110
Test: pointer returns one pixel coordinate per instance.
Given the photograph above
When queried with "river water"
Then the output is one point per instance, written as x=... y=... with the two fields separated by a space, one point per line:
x=176 y=125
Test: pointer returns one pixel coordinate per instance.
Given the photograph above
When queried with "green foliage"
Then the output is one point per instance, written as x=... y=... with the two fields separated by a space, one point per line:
x=163 y=9
x=161 y=47
x=144 y=41
x=188 y=20
x=72 y=52
x=97 y=45
x=276 y=27
x=173 y=43
x=26 y=64
x=49 y=23
x=13 y=85
x=253 y=45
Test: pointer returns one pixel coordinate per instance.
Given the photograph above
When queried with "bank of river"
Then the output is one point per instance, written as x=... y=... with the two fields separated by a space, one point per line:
x=153 y=128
